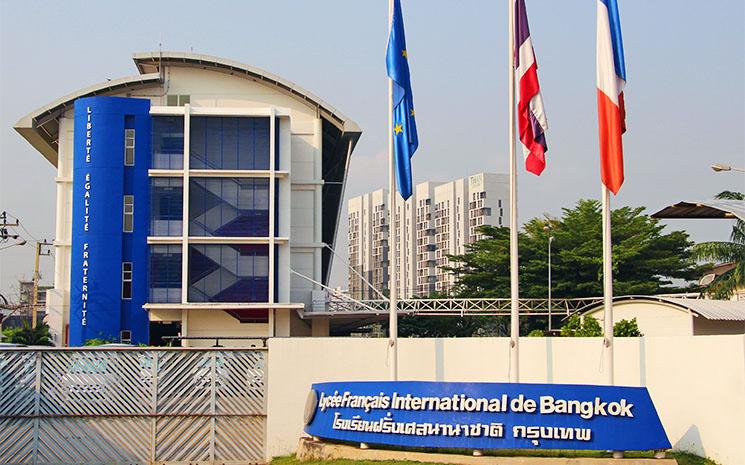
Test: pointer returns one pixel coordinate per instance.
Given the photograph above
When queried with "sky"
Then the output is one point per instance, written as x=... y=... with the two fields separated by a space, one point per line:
x=685 y=95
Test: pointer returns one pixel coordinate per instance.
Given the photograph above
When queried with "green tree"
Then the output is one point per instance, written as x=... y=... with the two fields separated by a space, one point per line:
x=645 y=259
x=733 y=251
x=28 y=335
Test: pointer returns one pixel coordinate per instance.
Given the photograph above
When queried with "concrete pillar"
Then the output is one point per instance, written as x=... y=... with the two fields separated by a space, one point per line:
x=320 y=327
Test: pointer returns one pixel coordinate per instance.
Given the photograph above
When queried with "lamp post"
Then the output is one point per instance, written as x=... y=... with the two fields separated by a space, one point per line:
x=718 y=167
x=550 y=240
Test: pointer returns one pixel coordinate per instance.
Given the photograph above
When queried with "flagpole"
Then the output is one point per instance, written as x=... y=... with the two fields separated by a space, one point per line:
x=607 y=290
x=393 y=301
x=514 y=372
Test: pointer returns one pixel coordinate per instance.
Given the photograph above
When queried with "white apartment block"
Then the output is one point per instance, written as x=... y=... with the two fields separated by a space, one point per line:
x=439 y=219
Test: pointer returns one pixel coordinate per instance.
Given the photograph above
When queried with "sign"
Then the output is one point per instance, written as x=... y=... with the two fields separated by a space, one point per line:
x=486 y=415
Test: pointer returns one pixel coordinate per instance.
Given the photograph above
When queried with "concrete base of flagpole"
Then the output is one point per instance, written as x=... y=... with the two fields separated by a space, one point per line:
x=617 y=454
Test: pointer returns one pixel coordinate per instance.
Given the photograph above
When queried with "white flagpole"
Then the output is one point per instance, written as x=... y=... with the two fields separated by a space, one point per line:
x=607 y=290
x=514 y=292
x=392 y=306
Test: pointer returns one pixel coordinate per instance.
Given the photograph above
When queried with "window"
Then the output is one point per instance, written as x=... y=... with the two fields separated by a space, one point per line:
x=129 y=213
x=177 y=100
x=165 y=273
x=126 y=280
x=228 y=273
x=229 y=143
x=129 y=147
x=166 y=206
x=168 y=142
x=229 y=207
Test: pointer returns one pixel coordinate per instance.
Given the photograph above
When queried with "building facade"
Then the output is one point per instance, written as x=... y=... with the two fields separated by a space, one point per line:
x=196 y=197
x=439 y=219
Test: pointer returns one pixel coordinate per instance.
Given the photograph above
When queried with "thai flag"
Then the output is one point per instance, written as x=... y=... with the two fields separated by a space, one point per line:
x=531 y=118
x=611 y=77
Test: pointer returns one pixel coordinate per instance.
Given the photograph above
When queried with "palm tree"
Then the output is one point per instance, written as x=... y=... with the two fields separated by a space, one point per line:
x=733 y=251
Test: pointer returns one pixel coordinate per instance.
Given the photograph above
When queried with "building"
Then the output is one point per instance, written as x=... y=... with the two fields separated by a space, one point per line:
x=438 y=220
x=670 y=316
x=186 y=197
x=26 y=297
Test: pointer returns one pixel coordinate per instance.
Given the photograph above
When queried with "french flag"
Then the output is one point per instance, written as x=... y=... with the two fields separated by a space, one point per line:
x=531 y=118
x=611 y=78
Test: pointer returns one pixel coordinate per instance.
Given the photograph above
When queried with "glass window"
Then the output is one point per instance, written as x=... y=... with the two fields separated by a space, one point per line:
x=129 y=213
x=177 y=100
x=229 y=207
x=228 y=273
x=126 y=280
x=229 y=143
x=165 y=273
x=129 y=147
x=166 y=206
x=168 y=142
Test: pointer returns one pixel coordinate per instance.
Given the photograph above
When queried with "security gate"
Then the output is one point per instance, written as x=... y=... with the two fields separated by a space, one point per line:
x=132 y=406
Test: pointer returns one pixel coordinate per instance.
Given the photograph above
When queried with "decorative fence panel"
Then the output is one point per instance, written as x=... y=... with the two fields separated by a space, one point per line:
x=132 y=406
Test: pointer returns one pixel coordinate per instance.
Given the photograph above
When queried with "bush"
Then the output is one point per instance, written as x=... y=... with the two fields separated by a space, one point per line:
x=581 y=327
x=28 y=335
x=626 y=328
x=97 y=342
x=537 y=333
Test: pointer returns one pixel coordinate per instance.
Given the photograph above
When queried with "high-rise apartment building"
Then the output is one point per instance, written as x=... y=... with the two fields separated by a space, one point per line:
x=439 y=220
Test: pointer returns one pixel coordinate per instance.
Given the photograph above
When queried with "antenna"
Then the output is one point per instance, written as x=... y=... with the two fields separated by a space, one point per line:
x=160 y=57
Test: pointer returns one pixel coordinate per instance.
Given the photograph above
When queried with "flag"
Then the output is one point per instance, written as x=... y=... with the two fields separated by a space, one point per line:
x=405 y=140
x=531 y=118
x=611 y=77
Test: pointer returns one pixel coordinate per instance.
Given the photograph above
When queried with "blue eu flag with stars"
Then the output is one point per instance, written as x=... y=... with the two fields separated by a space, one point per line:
x=405 y=140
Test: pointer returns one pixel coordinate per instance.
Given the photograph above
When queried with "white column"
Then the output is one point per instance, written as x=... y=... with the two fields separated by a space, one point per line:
x=185 y=212
x=272 y=198
x=318 y=202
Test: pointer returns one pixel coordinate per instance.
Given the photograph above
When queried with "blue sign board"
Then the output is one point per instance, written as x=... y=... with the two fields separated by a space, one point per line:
x=486 y=415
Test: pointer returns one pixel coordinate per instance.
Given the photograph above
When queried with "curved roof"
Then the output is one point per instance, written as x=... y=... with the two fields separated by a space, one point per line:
x=41 y=127
x=151 y=62
x=732 y=310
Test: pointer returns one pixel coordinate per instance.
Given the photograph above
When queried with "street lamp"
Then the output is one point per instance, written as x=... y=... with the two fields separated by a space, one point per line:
x=718 y=167
x=550 y=240
x=20 y=242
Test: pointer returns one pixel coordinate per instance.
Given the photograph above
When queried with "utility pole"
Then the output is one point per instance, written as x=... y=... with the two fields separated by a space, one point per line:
x=4 y=235
x=35 y=297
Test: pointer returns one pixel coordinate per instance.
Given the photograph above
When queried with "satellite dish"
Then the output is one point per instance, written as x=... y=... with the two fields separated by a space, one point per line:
x=707 y=279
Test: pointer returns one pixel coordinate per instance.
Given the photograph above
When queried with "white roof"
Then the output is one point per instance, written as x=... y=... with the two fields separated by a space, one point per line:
x=732 y=310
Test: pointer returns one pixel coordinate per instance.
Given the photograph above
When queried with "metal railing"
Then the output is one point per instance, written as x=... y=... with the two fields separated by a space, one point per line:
x=342 y=305
x=132 y=406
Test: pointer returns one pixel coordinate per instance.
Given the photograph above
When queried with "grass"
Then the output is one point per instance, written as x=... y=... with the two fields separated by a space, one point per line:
x=683 y=458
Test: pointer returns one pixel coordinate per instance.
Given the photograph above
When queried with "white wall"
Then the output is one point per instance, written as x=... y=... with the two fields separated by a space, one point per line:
x=697 y=383
x=653 y=318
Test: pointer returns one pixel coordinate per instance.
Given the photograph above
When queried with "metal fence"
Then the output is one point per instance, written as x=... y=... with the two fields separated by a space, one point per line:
x=132 y=406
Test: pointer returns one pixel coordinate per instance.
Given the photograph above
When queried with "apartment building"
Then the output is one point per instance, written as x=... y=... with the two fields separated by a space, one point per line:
x=439 y=220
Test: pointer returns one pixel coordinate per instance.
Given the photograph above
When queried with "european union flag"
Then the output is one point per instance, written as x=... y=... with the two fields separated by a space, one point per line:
x=405 y=140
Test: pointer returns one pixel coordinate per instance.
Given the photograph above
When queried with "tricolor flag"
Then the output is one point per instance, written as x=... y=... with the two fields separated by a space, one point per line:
x=531 y=118
x=405 y=139
x=611 y=76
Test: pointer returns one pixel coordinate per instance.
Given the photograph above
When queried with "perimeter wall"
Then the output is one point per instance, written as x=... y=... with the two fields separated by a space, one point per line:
x=696 y=382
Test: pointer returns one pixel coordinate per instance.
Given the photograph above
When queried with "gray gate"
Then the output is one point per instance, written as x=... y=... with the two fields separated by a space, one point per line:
x=132 y=406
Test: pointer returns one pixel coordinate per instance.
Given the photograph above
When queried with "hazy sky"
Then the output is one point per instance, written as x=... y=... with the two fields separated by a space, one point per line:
x=685 y=95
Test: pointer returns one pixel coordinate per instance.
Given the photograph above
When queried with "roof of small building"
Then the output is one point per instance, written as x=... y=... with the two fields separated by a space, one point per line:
x=727 y=209
x=732 y=310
